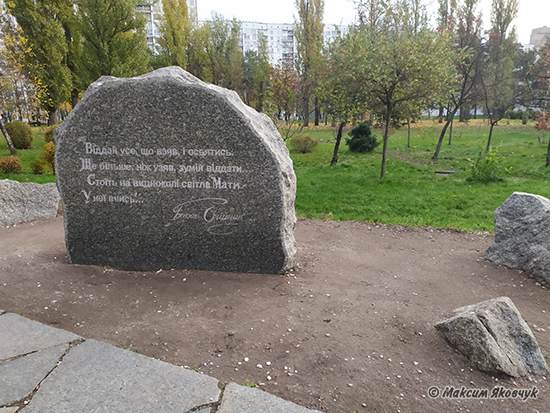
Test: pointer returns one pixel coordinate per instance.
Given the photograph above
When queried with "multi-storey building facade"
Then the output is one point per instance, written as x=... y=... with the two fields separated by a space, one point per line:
x=540 y=36
x=280 y=36
x=153 y=12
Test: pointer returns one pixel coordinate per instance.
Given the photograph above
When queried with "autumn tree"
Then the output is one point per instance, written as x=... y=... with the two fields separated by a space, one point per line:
x=256 y=69
x=225 y=58
x=341 y=94
x=175 y=28
x=198 y=57
x=284 y=96
x=399 y=61
x=542 y=71
x=308 y=32
x=465 y=32
x=42 y=25
x=499 y=80
x=114 y=42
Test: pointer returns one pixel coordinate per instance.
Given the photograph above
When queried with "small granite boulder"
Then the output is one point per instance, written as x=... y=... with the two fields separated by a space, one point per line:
x=522 y=235
x=24 y=202
x=495 y=338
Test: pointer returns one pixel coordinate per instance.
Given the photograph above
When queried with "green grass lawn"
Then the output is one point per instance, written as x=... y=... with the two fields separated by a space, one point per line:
x=27 y=156
x=411 y=194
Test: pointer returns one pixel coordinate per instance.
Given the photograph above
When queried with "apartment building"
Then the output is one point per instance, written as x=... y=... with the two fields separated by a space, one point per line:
x=540 y=36
x=280 y=36
x=153 y=12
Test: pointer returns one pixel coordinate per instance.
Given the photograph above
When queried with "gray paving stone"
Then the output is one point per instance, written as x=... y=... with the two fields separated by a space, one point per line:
x=19 y=377
x=8 y=409
x=97 y=377
x=240 y=399
x=22 y=336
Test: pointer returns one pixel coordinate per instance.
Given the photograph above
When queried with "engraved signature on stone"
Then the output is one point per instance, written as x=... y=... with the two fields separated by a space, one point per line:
x=222 y=223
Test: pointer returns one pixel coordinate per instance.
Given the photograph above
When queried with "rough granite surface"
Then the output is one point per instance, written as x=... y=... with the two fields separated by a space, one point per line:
x=522 y=235
x=495 y=338
x=27 y=201
x=165 y=171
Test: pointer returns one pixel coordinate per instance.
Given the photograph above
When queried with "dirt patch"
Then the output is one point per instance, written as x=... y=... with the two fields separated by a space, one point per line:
x=349 y=329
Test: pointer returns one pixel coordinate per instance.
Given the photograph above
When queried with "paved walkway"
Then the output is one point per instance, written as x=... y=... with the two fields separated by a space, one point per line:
x=45 y=369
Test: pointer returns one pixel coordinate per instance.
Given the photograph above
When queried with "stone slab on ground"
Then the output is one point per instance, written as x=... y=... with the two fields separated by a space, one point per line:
x=495 y=338
x=27 y=201
x=19 y=377
x=20 y=336
x=164 y=171
x=522 y=235
x=98 y=377
x=241 y=399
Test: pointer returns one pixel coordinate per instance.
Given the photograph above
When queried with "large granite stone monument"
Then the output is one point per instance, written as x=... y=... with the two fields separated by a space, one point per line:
x=164 y=171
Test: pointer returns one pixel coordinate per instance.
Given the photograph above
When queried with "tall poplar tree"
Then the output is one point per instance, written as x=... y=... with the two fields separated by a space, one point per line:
x=224 y=55
x=114 y=42
x=499 y=80
x=465 y=32
x=308 y=31
x=175 y=31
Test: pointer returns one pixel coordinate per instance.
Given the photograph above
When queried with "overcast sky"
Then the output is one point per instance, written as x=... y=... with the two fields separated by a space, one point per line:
x=532 y=13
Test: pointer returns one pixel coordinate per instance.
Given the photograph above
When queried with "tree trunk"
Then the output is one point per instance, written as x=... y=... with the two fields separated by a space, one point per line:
x=475 y=111
x=440 y=115
x=12 y=149
x=386 y=137
x=490 y=134
x=440 y=141
x=548 y=155
x=317 y=111
x=306 y=109
x=451 y=130
x=74 y=98
x=334 y=160
x=408 y=133
x=52 y=117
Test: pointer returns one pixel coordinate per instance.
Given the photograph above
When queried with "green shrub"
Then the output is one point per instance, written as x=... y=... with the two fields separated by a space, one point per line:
x=20 y=134
x=40 y=166
x=303 y=143
x=362 y=139
x=48 y=135
x=487 y=168
x=49 y=154
x=10 y=165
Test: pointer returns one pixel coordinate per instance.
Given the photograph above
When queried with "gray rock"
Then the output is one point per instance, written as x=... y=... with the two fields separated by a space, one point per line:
x=97 y=377
x=495 y=338
x=240 y=399
x=24 y=202
x=20 y=336
x=166 y=171
x=522 y=235
x=19 y=377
